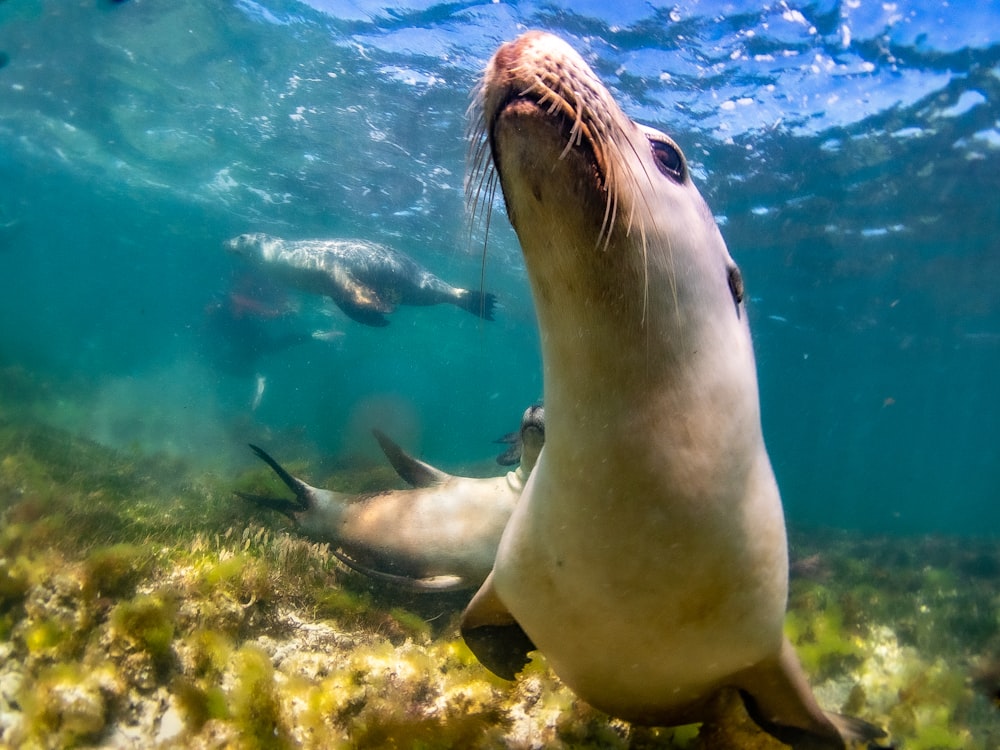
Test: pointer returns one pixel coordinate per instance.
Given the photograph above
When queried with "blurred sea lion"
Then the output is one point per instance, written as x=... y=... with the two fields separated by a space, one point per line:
x=365 y=279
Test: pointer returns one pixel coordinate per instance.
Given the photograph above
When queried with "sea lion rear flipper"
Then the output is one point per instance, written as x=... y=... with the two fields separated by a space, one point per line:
x=283 y=505
x=303 y=492
x=478 y=303
x=778 y=698
x=412 y=471
x=493 y=635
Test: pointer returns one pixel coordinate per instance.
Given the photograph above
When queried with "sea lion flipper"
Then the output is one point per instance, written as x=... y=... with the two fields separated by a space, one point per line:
x=477 y=302
x=304 y=494
x=778 y=698
x=493 y=635
x=283 y=505
x=512 y=455
x=412 y=471
x=430 y=584
x=361 y=302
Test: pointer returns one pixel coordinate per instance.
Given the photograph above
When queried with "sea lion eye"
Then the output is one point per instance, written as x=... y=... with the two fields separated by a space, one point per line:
x=668 y=159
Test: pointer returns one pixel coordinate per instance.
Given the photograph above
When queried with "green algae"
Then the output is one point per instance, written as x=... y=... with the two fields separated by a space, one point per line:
x=209 y=652
x=822 y=642
x=341 y=604
x=147 y=623
x=14 y=582
x=255 y=703
x=125 y=579
x=44 y=636
x=246 y=578
x=116 y=570
x=67 y=705
x=199 y=704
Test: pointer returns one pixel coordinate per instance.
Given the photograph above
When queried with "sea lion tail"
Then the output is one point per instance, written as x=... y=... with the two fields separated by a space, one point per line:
x=478 y=303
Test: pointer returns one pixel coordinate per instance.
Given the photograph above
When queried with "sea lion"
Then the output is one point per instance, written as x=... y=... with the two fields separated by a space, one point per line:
x=647 y=556
x=512 y=453
x=441 y=535
x=365 y=280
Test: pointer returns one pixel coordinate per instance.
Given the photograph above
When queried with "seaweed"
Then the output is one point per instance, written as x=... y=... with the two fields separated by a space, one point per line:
x=132 y=587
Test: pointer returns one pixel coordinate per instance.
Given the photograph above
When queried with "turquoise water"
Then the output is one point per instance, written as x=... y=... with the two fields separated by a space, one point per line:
x=850 y=151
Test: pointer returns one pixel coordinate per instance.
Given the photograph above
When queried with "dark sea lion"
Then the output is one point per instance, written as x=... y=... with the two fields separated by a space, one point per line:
x=365 y=280
x=441 y=535
x=647 y=556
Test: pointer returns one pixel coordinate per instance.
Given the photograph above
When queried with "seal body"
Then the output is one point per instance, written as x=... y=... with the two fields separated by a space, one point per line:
x=647 y=556
x=440 y=535
x=365 y=280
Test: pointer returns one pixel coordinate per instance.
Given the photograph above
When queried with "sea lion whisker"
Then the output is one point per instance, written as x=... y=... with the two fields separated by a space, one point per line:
x=480 y=189
x=575 y=132
x=481 y=169
x=644 y=196
x=478 y=151
x=490 y=197
x=474 y=195
x=610 y=213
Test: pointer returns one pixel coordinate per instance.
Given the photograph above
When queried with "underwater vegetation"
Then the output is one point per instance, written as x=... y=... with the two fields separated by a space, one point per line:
x=142 y=605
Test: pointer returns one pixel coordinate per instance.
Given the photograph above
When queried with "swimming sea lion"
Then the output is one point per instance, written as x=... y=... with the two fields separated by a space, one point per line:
x=646 y=557
x=366 y=280
x=440 y=536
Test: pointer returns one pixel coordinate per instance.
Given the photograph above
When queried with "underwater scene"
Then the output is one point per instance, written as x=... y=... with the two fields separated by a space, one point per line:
x=272 y=383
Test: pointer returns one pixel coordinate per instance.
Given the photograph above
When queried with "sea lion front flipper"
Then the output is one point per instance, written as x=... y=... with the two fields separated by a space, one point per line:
x=359 y=301
x=493 y=635
x=778 y=698
x=431 y=584
x=411 y=470
x=513 y=453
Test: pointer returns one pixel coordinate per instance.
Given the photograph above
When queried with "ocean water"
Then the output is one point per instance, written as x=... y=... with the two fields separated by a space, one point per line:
x=850 y=151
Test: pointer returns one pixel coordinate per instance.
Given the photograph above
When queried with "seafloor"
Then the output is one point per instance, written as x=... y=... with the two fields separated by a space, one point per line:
x=142 y=605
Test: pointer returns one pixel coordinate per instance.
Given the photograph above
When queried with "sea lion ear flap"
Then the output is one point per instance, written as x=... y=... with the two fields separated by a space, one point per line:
x=736 y=284
x=493 y=635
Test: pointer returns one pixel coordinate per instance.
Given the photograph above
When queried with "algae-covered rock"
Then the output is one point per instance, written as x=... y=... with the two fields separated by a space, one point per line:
x=142 y=628
x=254 y=701
x=114 y=571
x=67 y=704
